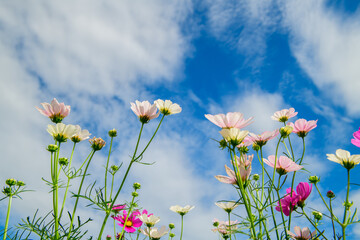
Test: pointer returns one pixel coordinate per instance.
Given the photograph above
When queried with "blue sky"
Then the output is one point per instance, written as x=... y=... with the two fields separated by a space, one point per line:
x=254 y=57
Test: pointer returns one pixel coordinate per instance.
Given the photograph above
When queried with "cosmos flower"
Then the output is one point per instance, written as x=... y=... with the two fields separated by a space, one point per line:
x=225 y=228
x=284 y=115
x=261 y=139
x=62 y=132
x=303 y=234
x=80 y=135
x=227 y=206
x=131 y=223
x=344 y=158
x=303 y=127
x=356 y=139
x=283 y=164
x=181 y=210
x=167 y=107
x=303 y=190
x=230 y=120
x=55 y=111
x=288 y=203
x=97 y=143
x=144 y=110
x=117 y=208
x=155 y=233
x=233 y=135
x=149 y=219
x=231 y=179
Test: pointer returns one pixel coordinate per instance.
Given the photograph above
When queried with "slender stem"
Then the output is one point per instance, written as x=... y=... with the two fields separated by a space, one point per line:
x=281 y=210
x=313 y=224
x=149 y=233
x=332 y=218
x=7 y=217
x=79 y=191
x=274 y=220
x=68 y=182
x=127 y=217
x=229 y=225
x=106 y=168
x=112 y=185
x=56 y=191
x=322 y=197
x=182 y=225
x=346 y=207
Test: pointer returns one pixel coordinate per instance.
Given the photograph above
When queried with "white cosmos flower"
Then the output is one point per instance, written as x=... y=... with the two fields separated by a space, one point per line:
x=80 y=135
x=344 y=158
x=227 y=206
x=154 y=232
x=150 y=221
x=62 y=132
x=167 y=107
x=233 y=135
x=181 y=210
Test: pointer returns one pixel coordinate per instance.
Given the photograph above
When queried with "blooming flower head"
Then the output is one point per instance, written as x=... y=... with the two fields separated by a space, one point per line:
x=356 y=139
x=55 y=111
x=97 y=143
x=167 y=107
x=283 y=164
x=231 y=179
x=144 y=110
x=303 y=190
x=288 y=203
x=303 y=234
x=303 y=127
x=233 y=135
x=148 y=219
x=244 y=164
x=230 y=120
x=117 y=208
x=131 y=223
x=227 y=206
x=80 y=135
x=155 y=233
x=225 y=228
x=181 y=210
x=284 y=115
x=344 y=158
x=262 y=139
x=62 y=132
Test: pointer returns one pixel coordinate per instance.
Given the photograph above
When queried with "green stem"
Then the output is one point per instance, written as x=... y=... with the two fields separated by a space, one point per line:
x=56 y=191
x=7 y=217
x=182 y=225
x=79 y=191
x=313 y=224
x=332 y=219
x=346 y=207
x=281 y=210
x=106 y=168
x=127 y=217
x=229 y=225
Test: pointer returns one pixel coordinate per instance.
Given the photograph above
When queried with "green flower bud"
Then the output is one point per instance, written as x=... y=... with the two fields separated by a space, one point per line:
x=114 y=168
x=223 y=144
x=285 y=131
x=137 y=186
x=134 y=194
x=108 y=237
x=63 y=161
x=317 y=215
x=255 y=147
x=216 y=224
x=11 y=182
x=314 y=179
x=256 y=177
x=243 y=149
x=330 y=194
x=134 y=204
x=172 y=235
x=347 y=204
x=171 y=226
x=52 y=148
x=7 y=191
x=20 y=183
x=113 y=133
x=97 y=143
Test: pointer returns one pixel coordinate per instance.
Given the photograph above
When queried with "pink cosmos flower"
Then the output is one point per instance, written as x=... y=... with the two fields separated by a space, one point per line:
x=303 y=190
x=117 y=208
x=230 y=120
x=303 y=234
x=225 y=228
x=261 y=139
x=288 y=203
x=145 y=111
x=302 y=127
x=356 y=139
x=231 y=179
x=244 y=166
x=283 y=164
x=284 y=115
x=131 y=223
x=55 y=111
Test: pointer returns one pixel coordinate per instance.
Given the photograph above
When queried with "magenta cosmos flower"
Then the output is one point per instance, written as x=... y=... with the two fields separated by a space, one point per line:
x=261 y=139
x=284 y=115
x=303 y=190
x=303 y=234
x=356 y=139
x=55 y=111
x=145 y=110
x=302 y=127
x=230 y=120
x=283 y=164
x=131 y=223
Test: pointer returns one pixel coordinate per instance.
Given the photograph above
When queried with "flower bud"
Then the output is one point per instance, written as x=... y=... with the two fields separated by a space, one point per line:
x=347 y=205
x=97 y=143
x=317 y=215
x=255 y=147
x=243 y=149
x=7 y=191
x=136 y=185
x=285 y=131
x=216 y=224
x=114 y=168
x=314 y=179
x=171 y=226
x=113 y=133
x=256 y=177
x=330 y=194
x=134 y=204
x=134 y=194
x=223 y=144
x=52 y=148
x=20 y=183
x=11 y=182
x=172 y=235
x=108 y=237
x=63 y=161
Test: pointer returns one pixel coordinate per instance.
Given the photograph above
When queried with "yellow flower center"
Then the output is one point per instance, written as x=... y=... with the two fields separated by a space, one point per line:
x=128 y=223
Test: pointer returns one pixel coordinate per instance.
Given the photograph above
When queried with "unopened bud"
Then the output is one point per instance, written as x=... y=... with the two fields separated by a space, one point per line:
x=317 y=215
x=223 y=144
x=134 y=194
x=330 y=194
x=285 y=131
x=11 y=182
x=97 y=143
x=171 y=226
x=108 y=237
x=255 y=147
x=114 y=168
x=7 y=191
x=216 y=224
x=314 y=179
x=172 y=235
x=113 y=133
x=347 y=205
x=256 y=177
x=136 y=185
x=243 y=149
x=52 y=148
x=20 y=183
x=63 y=161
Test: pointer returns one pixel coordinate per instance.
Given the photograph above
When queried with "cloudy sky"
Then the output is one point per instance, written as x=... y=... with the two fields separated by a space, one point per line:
x=213 y=56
